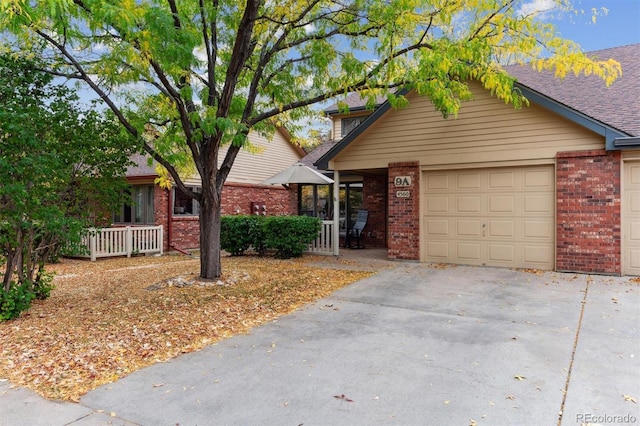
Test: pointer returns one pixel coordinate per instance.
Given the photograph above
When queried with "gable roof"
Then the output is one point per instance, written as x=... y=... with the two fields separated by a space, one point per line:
x=613 y=112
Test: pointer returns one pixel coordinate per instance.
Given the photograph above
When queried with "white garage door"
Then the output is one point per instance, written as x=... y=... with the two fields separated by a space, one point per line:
x=631 y=215
x=494 y=217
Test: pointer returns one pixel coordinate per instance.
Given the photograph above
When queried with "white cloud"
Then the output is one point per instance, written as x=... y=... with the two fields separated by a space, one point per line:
x=539 y=8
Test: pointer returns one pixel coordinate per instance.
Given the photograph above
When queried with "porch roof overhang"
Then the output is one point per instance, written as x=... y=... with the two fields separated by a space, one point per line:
x=614 y=138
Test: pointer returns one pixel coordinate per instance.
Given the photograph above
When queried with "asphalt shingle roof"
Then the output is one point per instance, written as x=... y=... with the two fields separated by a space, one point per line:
x=141 y=167
x=617 y=105
x=309 y=159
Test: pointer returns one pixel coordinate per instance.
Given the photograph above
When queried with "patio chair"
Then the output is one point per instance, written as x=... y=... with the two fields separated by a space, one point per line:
x=356 y=230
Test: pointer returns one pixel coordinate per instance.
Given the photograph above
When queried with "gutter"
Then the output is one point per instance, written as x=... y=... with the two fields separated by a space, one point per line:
x=626 y=142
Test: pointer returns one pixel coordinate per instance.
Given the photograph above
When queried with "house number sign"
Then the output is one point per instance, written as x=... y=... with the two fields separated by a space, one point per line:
x=403 y=194
x=402 y=180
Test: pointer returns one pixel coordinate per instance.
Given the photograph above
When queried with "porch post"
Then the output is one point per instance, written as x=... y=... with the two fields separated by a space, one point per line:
x=336 y=213
x=92 y=243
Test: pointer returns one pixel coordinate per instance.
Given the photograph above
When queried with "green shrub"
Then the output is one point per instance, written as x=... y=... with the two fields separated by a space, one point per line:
x=236 y=233
x=259 y=235
x=290 y=235
x=16 y=300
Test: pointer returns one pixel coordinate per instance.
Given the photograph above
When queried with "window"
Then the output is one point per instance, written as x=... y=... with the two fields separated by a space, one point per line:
x=350 y=202
x=315 y=200
x=183 y=205
x=349 y=124
x=139 y=210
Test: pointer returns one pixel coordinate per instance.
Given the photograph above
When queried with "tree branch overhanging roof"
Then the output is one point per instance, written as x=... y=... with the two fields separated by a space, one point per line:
x=612 y=112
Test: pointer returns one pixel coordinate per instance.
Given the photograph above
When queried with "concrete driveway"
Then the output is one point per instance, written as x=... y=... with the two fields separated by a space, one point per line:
x=412 y=345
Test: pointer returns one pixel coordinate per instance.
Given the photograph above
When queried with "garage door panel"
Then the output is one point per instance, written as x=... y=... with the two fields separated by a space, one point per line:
x=438 y=250
x=538 y=179
x=495 y=217
x=468 y=228
x=501 y=180
x=631 y=219
x=501 y=229
x=634 y=203
x=536 y=256
x=468 y=252
x=502 y=204
x=538 y=203
x=543 y=229
x=634 y=231
x=437 y=204
x=633 y=175
x=439 y=181
x=468 y=204
x=499 y=253
x=468 y=181
x=438 y=227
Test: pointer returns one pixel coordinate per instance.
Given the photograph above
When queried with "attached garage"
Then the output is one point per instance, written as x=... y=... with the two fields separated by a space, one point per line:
x=631 y=219
x=494 y=217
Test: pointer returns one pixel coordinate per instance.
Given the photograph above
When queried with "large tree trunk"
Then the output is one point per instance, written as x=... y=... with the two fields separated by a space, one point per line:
x=210 y=263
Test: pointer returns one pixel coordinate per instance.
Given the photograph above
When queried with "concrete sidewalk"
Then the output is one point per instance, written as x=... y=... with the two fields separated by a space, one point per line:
x=410 y=345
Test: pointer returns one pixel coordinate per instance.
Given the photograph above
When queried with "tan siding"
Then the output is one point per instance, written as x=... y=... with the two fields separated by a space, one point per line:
x=337 y=128
x=485 y=130
x=273 y=156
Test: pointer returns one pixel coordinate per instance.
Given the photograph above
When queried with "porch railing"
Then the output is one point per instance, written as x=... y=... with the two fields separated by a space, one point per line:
x=323 y=244
x=122 y=241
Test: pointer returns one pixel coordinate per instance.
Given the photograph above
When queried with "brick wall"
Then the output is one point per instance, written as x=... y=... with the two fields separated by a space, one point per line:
x=404 y=213
x=374 y=199
x=588 y=212
x=236 y=199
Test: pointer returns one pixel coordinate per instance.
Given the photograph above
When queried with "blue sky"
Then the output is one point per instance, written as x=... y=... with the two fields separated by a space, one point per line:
x=618 y=27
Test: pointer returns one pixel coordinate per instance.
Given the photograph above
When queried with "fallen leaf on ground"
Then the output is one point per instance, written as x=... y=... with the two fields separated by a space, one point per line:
x=101 y=323
x=343 y=397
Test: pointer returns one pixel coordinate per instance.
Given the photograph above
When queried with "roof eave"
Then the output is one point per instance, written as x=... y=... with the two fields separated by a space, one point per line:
x=350 y=110
x=627 y=142
x=609 y=133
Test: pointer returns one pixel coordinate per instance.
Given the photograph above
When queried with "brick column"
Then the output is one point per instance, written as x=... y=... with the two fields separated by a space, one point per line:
x=588 y=212
x=161 y=213
x=404 y=213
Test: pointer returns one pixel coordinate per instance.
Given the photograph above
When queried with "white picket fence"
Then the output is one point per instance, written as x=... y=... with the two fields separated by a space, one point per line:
x=122 y=241
x=323 y=244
